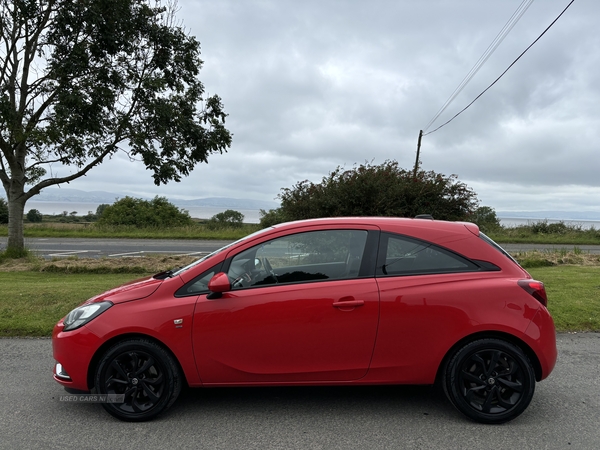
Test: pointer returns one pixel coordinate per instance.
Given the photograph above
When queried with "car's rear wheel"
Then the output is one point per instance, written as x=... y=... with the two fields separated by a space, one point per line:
x=489 y=380
x=139 y=378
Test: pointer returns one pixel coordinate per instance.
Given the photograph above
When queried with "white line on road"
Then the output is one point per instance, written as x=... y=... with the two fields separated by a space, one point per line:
x=68 y=253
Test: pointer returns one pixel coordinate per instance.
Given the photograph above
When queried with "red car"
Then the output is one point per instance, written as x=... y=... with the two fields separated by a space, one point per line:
x=320 y=302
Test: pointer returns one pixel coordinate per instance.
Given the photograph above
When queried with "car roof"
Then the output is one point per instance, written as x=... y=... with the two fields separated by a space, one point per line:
x=387 y=223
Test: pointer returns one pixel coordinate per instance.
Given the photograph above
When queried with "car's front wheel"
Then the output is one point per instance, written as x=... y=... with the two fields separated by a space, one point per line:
x=489 y=380
x=138 y=378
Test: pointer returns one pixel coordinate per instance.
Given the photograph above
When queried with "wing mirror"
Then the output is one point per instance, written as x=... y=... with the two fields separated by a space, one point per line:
x=218 y=284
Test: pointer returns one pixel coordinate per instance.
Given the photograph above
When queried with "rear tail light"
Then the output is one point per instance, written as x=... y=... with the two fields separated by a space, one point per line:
x=535 y=289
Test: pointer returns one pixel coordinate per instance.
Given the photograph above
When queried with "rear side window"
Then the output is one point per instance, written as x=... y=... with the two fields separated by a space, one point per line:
x=402 y=255
x=497 y=247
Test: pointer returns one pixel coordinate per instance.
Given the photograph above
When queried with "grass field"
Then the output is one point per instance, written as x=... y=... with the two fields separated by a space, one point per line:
x=535 y=233
x=35 y=295
x=92 y=230
x=32 y=302
x=573 y=296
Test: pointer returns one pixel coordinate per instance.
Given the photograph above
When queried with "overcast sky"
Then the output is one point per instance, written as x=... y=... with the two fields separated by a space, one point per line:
x=315 y=84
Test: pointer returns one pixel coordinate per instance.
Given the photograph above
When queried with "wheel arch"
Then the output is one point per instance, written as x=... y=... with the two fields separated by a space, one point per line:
x=537 y=367
x=124 y=337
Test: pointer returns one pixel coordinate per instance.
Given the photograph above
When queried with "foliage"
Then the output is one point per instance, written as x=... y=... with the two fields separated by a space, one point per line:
x=137 y=212
x=81 y=81
x=271 y=217
x=543 y=227
x=100 y=209
x=485 y=217
x=377 y=190
x=3 y=211
x=34 y=216
x=541 y=232
x=228 y=218
x=12 y=253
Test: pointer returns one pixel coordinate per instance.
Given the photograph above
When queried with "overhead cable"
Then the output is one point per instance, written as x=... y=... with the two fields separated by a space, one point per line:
x=502 y=74
x=481 y=61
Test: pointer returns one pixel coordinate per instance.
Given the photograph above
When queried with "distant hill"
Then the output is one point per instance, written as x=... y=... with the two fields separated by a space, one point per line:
x=66 y=195
x=550 y=215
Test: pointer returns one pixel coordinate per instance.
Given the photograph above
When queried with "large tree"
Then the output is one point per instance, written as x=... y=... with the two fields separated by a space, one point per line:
x=82 y=80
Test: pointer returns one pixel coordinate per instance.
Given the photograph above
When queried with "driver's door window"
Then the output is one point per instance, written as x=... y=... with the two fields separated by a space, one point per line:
x=303 y=257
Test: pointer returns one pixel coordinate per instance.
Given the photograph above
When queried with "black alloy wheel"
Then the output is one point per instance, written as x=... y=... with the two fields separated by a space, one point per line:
x=489 y=380
x=139 y=378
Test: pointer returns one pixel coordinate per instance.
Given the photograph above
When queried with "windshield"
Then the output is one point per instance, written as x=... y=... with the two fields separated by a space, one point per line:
x=210 y=255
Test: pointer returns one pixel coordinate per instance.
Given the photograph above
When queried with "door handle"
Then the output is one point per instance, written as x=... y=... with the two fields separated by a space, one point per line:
x=349 y=304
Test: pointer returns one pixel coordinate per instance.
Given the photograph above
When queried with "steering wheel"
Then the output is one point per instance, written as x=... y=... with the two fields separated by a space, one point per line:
x=242 y=281
x=269 y=269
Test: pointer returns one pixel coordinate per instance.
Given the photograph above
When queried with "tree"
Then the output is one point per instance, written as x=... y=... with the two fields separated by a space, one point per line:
x=485 y=217
x=34 y=216
x=376 y=190
x=137 y=212
x=228 y=218
x=81 y=81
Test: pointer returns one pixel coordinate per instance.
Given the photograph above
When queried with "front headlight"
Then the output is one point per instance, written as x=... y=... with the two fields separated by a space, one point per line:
x=82 y=315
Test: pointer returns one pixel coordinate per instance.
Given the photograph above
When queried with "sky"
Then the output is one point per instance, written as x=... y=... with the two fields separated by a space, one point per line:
x=315 y=84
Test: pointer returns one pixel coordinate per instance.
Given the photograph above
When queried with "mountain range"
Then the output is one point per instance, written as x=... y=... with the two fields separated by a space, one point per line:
x=65 y=195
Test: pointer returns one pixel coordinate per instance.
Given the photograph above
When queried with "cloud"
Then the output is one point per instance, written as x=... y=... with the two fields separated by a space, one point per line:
x=315 y=84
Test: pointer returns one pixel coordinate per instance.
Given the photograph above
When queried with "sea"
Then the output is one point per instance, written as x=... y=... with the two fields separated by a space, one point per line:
x=253 y=216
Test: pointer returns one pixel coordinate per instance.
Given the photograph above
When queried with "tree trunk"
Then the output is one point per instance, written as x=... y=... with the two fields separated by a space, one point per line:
x=16 y=208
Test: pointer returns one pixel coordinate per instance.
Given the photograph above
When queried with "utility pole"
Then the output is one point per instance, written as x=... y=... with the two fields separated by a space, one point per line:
x=418 y=152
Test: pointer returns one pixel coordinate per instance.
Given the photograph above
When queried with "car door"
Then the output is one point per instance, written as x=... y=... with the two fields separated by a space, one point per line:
x=302 y=308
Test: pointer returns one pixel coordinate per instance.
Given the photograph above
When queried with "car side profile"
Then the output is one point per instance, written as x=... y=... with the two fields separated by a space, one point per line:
x=335 y=301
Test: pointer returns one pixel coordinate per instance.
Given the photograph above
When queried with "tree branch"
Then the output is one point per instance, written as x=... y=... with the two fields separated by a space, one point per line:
x=52 y=181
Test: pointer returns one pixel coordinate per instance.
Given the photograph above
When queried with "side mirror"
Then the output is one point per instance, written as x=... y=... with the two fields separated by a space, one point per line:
x=218 y=284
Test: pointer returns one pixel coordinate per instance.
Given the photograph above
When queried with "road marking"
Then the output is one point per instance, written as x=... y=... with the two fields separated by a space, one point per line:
x=68 y=253
x=127 y=254
x=160 y=252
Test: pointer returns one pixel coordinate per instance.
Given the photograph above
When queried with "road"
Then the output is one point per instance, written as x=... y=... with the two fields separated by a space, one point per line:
x=114 y=248
x=563 y=413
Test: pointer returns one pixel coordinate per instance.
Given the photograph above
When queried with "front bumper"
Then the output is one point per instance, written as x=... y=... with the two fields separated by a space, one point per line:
x=73 y=352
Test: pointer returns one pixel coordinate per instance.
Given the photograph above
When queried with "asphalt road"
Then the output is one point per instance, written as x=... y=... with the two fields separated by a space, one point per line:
x=563 y=413
x=114 y=248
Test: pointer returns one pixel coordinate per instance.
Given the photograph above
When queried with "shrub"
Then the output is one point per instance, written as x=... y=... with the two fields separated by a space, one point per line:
x=228 y=218
x=157 y=212
x=100 y=209
x=485 y=217
x=383 y=190
x=34 y=216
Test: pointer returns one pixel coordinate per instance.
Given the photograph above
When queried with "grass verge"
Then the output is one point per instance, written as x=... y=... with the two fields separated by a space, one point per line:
x=35 y=293
x=573 y=296
x=32 y=302
x=92 y=230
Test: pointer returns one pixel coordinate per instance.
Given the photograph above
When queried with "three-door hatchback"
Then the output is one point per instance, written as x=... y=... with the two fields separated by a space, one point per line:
x=321 y=302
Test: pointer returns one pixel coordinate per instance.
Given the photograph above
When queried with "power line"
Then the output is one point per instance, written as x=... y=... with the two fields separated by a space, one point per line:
x=488 y=52
x=502 y=74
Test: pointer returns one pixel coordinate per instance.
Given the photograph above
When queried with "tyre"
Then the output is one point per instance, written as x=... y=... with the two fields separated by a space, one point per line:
x=489 y=381
x=144 y=376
